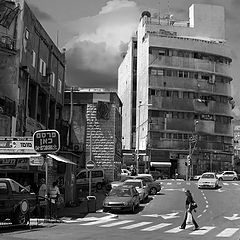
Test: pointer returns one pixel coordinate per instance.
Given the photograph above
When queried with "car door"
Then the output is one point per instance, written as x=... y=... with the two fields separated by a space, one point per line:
x=227 y=176
x=136 y=198
x=5 y=197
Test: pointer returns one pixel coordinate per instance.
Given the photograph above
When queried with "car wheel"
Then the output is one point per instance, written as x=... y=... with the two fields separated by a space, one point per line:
x=220 y=179
x=20 y=218
x=153 y=191
x=235 y=179
x=99 y=186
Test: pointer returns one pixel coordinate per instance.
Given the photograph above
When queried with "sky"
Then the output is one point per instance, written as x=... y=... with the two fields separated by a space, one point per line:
x=96 y=32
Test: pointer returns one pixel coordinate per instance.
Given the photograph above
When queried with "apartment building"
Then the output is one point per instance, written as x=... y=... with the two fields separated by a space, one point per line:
x=183 y=100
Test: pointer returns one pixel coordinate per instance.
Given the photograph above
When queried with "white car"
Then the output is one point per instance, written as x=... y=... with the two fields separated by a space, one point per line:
x=227 y=175
x=140 y=186
x=208 y=180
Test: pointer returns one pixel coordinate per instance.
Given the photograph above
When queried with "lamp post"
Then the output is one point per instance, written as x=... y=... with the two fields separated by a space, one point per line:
x=138 y=134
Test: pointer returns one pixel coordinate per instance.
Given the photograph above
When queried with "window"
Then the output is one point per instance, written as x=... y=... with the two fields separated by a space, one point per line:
x=52 y=79
x=3 y=188
x=180 y=74
x=33 y=58
x=160 y=72
x=42 y=67
x=59 y=86
x=153 y=72
x=169 y=73
x=185 y=74
x=96 y=174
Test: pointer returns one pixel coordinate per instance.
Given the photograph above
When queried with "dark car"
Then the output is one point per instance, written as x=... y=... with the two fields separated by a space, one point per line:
x=16 y=202
x=153 y=186
x=122 y=198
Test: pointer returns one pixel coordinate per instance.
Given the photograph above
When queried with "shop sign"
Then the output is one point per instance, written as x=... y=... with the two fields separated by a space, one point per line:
x=14 y=164
x=16 y=145
x=36 y=161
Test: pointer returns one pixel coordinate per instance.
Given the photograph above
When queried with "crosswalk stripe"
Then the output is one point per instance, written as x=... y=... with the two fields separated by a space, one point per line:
x=99 y=222
x=225 y=183
x=169 y=183
x=136 y=225
x=235 y=184
x=117 y=223
x=188 y=183
x=156 y=227
x=179 y=183
x=202 y=230
x=177 y=229
x=228 y=232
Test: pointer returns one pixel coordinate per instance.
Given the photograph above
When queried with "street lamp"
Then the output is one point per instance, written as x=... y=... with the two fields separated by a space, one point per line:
x=138 y=134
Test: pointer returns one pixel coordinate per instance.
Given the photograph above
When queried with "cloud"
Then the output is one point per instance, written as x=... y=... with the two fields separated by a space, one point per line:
x=40 y=14
x=94 y=54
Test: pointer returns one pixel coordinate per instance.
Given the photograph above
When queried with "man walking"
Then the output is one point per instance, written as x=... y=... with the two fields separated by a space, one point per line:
x=189 y=207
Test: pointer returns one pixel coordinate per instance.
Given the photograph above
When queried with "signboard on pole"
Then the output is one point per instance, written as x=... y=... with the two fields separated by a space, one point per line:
x=46 y=141
x=90 y=165
x=36 y=161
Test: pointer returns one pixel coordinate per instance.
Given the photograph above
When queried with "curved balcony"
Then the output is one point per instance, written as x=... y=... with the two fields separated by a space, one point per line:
x=191 y=105
x=189 y=63
x=190 y=84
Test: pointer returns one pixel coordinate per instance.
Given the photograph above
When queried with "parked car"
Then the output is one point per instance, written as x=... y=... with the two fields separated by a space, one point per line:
x=140 y=186
x=153 y=186
x=208 y=180
x=196 y=177
x=16 y=202
x=122 y=198
x=97 y=178
x=227 y=175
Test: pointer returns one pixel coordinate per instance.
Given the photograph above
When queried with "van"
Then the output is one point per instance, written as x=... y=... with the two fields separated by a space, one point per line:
x=97 y=178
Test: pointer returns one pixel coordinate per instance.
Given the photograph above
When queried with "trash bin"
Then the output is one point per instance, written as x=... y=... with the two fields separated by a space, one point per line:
x=91 y=204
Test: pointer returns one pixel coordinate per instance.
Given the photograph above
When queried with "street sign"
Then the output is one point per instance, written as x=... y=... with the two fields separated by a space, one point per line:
x=46 y=141
x=36 y=161
x=90 y=165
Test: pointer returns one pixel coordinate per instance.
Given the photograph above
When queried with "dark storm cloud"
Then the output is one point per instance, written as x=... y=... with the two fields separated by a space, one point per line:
x=40 y=14
x=90 y=65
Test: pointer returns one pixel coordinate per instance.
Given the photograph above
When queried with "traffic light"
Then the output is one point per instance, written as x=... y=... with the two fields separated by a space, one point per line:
x=188 y=160
x=133 y=156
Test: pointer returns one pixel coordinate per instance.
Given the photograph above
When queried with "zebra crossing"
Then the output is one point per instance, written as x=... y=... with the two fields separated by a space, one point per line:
x=195 y=182
x=164 y=227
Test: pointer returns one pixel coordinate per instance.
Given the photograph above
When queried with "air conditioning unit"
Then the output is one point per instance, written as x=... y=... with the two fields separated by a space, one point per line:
x=77 y=147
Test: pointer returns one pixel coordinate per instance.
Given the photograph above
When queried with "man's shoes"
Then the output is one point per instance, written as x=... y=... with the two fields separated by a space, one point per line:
x=196 y=228
x=181 y=228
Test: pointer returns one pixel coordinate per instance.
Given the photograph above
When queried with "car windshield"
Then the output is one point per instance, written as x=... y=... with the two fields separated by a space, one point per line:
x=135 y=184
x=208 y=176
x=120 y=192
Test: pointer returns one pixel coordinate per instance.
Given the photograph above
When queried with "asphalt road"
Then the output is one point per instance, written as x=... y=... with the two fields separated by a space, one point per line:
x=217 y=215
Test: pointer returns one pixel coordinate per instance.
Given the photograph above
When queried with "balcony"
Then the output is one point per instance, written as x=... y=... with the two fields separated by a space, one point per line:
x=189 y=64
x=7 y=43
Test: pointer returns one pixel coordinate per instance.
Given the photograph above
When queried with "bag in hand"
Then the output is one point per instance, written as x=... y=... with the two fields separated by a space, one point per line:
x=189 y=218
x=193 y=205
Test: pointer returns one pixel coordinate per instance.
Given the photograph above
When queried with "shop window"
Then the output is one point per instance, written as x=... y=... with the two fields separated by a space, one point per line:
x=169 y=73
x=185 y=74
x=175 y=115
x=180 y=74
x=168 y=136
x=168 y=93
x=160 y=72
x=175 y=94
x=153 y=72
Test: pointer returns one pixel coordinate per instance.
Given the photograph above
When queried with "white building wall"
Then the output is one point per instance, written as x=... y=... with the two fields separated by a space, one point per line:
x=125 y=89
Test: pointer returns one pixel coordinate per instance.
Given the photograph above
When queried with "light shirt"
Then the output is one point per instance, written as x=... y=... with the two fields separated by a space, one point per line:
x=54 y=192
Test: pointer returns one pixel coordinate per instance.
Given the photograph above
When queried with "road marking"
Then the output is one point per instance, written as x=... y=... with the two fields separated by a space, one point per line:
x=206 y=206
x=136 y=225
x=156 y=227
x=117 y=223
x=179 y=183
x=228 y=232
x=188 y=183
x=225 y=184
x=169 y=183
x=177 y=229
x=202 y=230
x=99 y=221
x=235 y=184
x=234 y=217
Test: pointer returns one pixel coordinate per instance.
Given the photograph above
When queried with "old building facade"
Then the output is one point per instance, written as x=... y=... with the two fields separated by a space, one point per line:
x=183 y=91
x=96 y=128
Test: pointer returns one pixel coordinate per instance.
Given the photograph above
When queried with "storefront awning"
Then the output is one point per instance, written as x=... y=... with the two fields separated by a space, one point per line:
x=160 y=164
x=61 y=159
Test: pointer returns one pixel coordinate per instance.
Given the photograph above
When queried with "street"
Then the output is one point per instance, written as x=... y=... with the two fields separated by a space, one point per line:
x=158 y=218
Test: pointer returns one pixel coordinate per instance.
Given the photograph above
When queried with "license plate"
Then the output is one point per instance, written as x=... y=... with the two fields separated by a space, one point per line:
x=116 y=208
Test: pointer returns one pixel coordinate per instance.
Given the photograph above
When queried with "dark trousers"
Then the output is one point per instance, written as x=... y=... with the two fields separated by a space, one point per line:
x=185 y=219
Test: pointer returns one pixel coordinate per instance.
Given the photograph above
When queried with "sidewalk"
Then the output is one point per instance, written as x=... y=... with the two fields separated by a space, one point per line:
x=82 y=209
